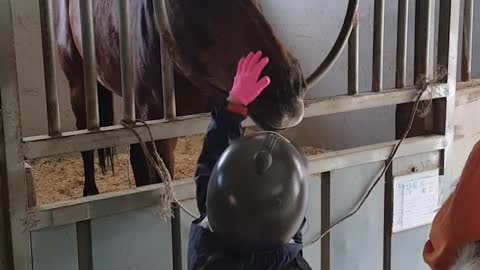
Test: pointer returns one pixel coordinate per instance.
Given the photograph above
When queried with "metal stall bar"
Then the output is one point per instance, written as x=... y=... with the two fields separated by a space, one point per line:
x=176 y=239
x=126 y=62
x=447 y=50
x=402 y=45
x=424 y=35
x=467 y=40
x=400 y=82
x=388 y=218
x=84 y=247
x=378 y=36
x=89 y=65
x=170 y=113
x=168 y=84
x=325 y=219
x=49 y=61
x=423 y=68
x=17 y=243
x=353 y=60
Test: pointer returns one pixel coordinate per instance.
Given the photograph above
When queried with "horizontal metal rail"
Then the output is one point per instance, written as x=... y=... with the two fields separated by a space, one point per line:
x=347 y=103
x=118 y=202
x=77 y=141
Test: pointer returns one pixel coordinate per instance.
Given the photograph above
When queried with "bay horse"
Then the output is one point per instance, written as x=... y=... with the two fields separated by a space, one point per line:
x=212 y=36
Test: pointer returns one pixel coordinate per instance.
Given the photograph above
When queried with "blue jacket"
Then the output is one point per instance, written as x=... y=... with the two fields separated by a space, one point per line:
x=204 y=251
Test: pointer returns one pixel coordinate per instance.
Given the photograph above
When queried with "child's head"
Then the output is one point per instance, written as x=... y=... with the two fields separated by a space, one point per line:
x=258 y=192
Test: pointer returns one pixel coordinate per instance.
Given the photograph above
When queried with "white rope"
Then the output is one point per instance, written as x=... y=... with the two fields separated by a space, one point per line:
x=168 y=197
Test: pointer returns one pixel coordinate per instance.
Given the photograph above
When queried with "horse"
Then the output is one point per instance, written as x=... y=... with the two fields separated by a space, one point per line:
x=211 y=35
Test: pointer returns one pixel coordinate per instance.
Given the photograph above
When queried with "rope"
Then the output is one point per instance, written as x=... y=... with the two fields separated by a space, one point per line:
x=168 y=197
x=423 y=85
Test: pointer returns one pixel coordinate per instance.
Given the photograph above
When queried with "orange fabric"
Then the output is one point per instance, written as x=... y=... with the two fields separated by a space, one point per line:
x=458 y=221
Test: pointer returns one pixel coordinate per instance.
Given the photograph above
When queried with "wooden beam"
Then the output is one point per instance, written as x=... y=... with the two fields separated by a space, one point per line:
x=467 y=92
x=91 y=207
x=82 y=140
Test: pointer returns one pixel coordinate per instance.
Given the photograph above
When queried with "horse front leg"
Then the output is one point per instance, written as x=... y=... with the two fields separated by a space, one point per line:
x=90 y=186
x=144 y=173
x=77 y=100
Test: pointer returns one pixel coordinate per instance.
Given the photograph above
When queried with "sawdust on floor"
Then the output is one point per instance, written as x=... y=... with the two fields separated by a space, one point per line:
x=61 y=179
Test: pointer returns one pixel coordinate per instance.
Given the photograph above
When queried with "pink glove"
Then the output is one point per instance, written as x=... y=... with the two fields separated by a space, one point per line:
x=247 y=86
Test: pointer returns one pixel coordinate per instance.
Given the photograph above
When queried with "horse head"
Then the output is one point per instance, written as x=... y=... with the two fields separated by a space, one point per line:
x=211 y=36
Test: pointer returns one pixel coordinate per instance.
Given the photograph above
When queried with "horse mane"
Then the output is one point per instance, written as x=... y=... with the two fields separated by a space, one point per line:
x=254 y=11
x=468 y=257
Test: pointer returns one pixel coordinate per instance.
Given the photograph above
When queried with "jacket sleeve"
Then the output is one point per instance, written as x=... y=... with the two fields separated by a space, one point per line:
x=224 y=126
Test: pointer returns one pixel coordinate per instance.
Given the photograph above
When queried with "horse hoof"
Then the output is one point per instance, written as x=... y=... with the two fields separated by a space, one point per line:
x=90 y=192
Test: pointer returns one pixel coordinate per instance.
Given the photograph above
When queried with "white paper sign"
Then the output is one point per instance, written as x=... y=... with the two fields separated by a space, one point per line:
x=416 y=198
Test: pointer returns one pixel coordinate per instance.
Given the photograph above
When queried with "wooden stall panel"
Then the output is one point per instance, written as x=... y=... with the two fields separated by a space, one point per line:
x=407 y=249
x=55 y=248
x=137 y=240
x=358 y=242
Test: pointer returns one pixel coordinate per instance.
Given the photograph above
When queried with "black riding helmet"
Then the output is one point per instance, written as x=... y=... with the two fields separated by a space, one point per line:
x=258 y=192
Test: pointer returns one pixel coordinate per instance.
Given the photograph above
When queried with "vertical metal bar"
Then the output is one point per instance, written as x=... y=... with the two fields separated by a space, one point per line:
x=448 y=40
x=467 y=41
x=423 y=68
x=126 y=62
x=168 y=84
x=89 y=65
x=49 y=61
x=176 y=239
x=353 y=61
x=84 y=245
x=12 y=169
x=388 y=220
x=444 y=37
x=424 y=38
x=325 y=221
x=378 y=36
x=402 y=34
